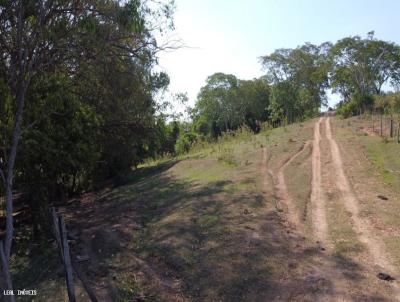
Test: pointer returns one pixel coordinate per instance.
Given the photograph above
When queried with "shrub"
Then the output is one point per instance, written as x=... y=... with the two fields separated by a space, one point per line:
x=347 y=109
x=184 y=142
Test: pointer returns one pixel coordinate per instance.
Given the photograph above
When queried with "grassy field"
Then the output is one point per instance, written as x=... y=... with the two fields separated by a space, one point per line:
x=210 y=226
x=202 y=227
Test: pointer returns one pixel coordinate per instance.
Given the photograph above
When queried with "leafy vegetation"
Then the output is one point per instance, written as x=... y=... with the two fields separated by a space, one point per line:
x=360 y=67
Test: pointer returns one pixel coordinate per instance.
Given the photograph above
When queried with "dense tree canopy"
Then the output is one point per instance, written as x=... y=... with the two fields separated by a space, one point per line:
x=299 y=79
x=77 y=87
x=225 y=103
x=360 y=67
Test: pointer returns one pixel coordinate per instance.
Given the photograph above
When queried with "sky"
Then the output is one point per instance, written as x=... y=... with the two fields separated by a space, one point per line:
x=230 y=35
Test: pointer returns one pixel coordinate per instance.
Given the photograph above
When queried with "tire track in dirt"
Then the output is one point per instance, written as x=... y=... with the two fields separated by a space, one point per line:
x=317 y=199
x=321 y=274
x=364 y=233
x=328 y=269
x=330 y=285
x=282 y=191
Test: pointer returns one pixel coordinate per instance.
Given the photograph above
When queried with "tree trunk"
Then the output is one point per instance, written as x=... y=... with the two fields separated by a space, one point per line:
x=6 y=273
x=398 y=132
x=20 y=100
x=5 y=251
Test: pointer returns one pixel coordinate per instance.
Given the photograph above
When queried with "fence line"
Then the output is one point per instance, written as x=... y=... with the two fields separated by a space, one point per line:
x=70 y=265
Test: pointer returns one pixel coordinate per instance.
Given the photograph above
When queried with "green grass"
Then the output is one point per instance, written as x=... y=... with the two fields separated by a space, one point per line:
x=127 y=289
x=385 y=156
x=382 y=151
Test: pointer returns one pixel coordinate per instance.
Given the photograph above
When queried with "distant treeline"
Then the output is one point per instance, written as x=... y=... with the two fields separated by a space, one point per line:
x=295 y=86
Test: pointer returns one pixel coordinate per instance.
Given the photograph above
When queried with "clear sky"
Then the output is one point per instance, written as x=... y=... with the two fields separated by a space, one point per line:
x=229 y=35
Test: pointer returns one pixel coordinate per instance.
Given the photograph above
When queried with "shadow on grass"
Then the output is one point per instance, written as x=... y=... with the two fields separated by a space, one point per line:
x=36 y=267
x=144 y=172
x=220 y=248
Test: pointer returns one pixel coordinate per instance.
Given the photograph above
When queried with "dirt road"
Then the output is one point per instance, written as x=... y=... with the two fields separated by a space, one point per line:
x=317 y=198
x=339 y=227
x=361 y=227
x=376 y=256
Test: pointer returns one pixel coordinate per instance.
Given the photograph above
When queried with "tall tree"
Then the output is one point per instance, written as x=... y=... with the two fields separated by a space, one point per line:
x=47 y=37
x=360 y=67
x=299 y=79
x=225 y=103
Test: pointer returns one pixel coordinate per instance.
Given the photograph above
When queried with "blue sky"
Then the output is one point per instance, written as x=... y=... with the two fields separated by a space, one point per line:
x=229 y=36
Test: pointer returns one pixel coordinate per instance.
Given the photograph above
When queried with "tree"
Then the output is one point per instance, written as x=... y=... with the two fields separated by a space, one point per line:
x=299 y=79
x=225 y=103
x=44 y=38
x=217 y=100
x=360 y=67
x=253 y=101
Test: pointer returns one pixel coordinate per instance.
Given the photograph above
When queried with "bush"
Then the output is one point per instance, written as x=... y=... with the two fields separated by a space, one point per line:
x=184 y=142
x=347 y=109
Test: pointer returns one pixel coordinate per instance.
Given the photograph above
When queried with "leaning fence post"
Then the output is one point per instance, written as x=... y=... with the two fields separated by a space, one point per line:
x=67 y=261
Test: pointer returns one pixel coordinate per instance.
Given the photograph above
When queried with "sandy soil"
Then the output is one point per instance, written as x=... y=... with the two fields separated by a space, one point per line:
x=377 y=253
x=317 y=198
x=328 y=177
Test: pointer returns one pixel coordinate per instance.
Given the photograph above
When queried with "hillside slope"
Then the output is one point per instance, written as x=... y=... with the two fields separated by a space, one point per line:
x=292 y=214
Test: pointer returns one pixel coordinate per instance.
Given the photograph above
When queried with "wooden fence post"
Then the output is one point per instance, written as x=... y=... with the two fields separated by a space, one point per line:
x=67 y=261
x=381 y=124
x=398 y=132
x=61 y=234
x=373 y=126
x=391 y=127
